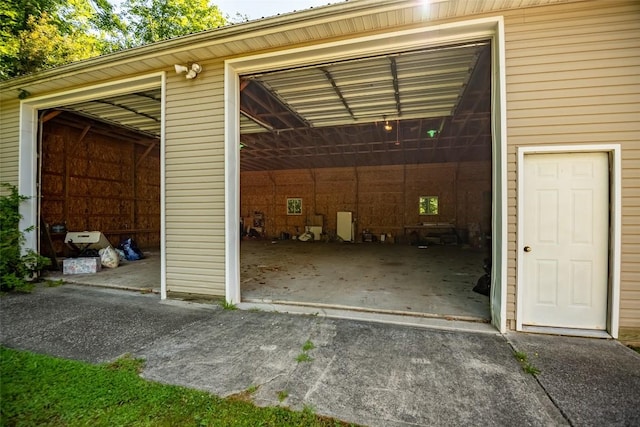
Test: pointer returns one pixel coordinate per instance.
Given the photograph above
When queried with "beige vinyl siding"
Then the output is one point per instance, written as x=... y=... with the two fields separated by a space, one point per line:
x=195 y=245
x=573 y=76
x=9 y=137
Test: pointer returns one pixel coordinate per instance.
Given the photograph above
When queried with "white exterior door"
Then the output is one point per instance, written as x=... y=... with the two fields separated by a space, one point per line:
x=566 y=244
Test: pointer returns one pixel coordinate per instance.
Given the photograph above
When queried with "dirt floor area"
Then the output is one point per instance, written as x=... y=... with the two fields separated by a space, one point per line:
x=435 y=280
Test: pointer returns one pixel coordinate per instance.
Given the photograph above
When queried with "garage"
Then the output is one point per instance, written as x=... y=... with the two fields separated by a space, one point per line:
x=365 y=183
x=400 y=142
x=416 y=123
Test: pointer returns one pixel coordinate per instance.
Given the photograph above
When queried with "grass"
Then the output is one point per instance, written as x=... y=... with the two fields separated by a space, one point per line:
x=53 y=283
x=43 y=390
x=526 y=366
x=308 y=345
x=282 y=395
x=303 y=357
x=227 y=305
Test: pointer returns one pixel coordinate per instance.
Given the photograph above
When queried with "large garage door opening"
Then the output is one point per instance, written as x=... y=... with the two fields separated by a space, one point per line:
x=99 y=181
x=367 y=183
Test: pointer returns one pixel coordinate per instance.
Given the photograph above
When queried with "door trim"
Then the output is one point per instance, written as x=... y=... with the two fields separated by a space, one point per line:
x=615 y=185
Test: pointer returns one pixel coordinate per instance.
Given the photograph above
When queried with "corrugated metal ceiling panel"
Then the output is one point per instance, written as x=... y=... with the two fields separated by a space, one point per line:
x=429 y=83
x=139 y=110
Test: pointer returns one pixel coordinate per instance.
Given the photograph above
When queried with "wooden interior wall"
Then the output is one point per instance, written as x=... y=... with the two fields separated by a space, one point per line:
x=91 y=182
x=383 y=199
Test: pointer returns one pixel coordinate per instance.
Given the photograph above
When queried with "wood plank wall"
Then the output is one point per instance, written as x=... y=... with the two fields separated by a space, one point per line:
x=94 y=183
x=383 y=198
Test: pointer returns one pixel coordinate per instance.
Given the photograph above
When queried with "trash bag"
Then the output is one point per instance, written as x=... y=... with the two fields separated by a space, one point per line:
x=121 y=256
x=130 y=249
x=483 y=286
x=109 y=257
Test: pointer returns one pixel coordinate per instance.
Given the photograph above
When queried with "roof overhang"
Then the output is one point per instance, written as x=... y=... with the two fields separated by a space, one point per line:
x=335 y=21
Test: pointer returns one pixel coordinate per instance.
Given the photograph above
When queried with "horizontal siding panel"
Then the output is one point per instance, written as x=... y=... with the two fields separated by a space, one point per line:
x=178 y=149
x=564 y=93
x=573 y=76
x=205 y=161
x=203 y=256
x=177 y=185
x=583 y=120
x=203 y=274
x=541 y=53
x=585 y=70
x=568 y=87
x=197 y=114
x=575 y=38
x=541 y=24
x=629 y=304
x=631 y=249
x=189 y=211
x=608 y=103
x=213 y=289
x=196 y=226
x=630 y=191
x=210 y=193
x=196 y=236
x=575 y=129
x=524 y=138
x=9 y=148
x=186 y=133
x=201 y=173
x=202 y=281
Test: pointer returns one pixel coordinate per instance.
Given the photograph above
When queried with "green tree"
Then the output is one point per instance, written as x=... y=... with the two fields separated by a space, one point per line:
x=154 y=20
x=39 y=34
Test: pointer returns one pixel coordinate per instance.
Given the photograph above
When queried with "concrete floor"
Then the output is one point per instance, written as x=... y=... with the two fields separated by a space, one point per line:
x=435 y=281
x=142 y=275
x=399 y=279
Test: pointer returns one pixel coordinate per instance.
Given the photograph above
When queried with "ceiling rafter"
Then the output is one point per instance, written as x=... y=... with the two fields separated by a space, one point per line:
x=338 y=92
x=396 y=86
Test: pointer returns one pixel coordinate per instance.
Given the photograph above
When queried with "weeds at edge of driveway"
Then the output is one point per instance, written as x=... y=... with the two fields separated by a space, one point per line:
x=524 y=362
x=228 y=305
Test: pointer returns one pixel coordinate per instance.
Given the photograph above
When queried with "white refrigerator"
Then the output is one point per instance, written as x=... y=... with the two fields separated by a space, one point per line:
x=345 y=226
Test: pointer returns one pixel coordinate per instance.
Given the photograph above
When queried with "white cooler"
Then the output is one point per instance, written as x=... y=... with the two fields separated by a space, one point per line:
x=87 y=239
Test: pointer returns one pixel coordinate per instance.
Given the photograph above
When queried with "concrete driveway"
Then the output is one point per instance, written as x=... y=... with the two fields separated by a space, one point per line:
x=368 y=373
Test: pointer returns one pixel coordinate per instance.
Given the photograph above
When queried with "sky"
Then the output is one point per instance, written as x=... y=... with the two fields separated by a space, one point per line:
x=256 y=9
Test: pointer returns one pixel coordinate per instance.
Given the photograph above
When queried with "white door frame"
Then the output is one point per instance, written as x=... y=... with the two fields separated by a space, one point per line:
x=615 y=221
x=28 y=148
x=434 y=35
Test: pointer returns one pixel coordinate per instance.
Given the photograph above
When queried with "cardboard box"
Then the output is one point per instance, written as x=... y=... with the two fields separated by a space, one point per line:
x=81 y=265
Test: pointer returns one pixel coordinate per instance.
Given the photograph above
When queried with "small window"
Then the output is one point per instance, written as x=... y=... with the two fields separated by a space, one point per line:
x=294 y=206
x=428 y=205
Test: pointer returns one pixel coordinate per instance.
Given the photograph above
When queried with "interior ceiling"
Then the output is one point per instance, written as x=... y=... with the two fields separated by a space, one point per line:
x=437 y=103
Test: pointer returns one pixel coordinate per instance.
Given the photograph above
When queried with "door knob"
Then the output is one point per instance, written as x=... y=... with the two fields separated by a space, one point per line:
x=527 y=248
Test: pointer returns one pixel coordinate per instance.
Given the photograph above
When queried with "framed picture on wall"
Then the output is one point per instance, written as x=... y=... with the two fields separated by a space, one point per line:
x=294 y=206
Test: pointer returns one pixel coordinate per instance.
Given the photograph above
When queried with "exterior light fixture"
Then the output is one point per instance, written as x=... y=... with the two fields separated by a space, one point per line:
x=191 y=71
x=432 y=133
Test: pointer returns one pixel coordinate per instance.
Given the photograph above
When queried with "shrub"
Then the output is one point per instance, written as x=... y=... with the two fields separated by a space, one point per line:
x=16 y=267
